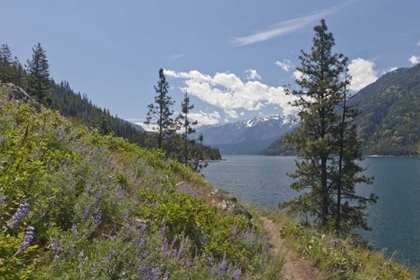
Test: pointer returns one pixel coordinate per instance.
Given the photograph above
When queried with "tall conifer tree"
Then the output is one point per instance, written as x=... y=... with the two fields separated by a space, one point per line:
x=326 y=141
x=160 y=113
x=186 y=123
x=39 y=84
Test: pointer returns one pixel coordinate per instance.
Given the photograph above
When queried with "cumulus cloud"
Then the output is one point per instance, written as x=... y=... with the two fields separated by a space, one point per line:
x=230 y=93
x=414 y=59
x=252 y=75
x=362 y=72
x=286 y=65
x=297 y=75
x=284 y=27
x=205 y=118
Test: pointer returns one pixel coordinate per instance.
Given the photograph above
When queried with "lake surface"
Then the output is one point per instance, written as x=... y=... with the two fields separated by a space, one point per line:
x=395 y=219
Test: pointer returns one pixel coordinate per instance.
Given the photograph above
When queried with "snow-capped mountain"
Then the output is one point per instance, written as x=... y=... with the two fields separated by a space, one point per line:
x=247 y=136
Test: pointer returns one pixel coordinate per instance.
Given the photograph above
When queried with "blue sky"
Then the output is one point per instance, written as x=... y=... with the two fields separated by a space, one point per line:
x=233 y=57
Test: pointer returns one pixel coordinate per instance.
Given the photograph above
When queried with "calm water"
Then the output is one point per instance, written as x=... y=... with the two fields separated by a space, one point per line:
x=395 y=219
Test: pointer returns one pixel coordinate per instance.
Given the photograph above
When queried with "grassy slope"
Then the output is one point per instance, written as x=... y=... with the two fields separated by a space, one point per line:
x=102 y=207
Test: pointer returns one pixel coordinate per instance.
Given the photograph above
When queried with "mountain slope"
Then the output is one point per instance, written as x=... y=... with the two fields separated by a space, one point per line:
x=390 y=113
x=247 y=136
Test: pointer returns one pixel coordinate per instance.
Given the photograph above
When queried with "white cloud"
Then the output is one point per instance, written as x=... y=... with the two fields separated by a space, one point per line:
x=384 y=71
x=176 y=56
x=205 y=118
x=414 y=59
x=286 y=65
x=297 y=75
x=227 y=91
x=252 y=75
x=242 y=113
x=362 y=73
x=284 y=27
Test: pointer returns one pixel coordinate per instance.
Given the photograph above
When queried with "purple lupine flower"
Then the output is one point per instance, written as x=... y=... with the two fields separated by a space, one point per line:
x=174 y=240
x=80 y=255
x=141 y=243
x=166 y=276
x=27 y=239
x=98 y=196
x=180 y=251
x=142 y=230
x=163 y=228
x=74 y=230
x=1 y=139
x=237 y=274
x=247 y=277
x=56 y=248
x=222 y=267
x=20 y=213
x=89 y=186
x=144 y=254
x=86 y=214
x=56 y=257
x=165 y=244
x=2 y=199
x=98 y=217
x=229 y=269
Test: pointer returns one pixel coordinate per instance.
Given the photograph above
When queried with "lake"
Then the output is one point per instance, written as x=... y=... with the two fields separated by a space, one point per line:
x=395 y=219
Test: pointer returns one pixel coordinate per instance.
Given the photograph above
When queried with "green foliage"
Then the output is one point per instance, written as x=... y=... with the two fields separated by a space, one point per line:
x=97 y=202
x=326 y=142
x=39 y=84
x=160 y=113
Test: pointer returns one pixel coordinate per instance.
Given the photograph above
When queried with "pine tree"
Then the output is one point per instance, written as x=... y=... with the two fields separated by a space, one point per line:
x=326 y=141
x=39 y=84
x=186 y=124
x=5 y=64
x=160 y=113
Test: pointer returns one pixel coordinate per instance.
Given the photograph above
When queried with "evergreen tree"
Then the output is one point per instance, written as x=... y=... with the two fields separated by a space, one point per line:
x=39 y=84
x=5 y=64
x=326 y=142
x=186 y=124
x=160 y=113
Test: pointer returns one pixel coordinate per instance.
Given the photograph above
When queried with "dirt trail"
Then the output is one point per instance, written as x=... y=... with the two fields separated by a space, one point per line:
x=295 y=268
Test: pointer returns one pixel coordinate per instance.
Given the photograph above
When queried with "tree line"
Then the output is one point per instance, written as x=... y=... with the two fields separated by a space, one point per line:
x=34 y=78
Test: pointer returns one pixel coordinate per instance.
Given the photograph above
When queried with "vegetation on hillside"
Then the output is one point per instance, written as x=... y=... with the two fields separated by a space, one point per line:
x=76 y=204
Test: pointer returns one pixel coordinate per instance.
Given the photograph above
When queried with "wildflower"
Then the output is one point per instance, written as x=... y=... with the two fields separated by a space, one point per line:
x=20 y=213
x=166 y=276
x=29 y=236
x=86 y=214
x=237 y=274
x=163 y=228
x=98 y=196
x=122 y=275
x=98 y=217
x=144 y=254
x=181 y=249
x=2 y=199
x=74 y=230
x=80 y=255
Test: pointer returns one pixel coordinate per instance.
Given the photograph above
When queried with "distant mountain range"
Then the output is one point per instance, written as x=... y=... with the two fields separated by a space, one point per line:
x=389 y=122
x=248 y=136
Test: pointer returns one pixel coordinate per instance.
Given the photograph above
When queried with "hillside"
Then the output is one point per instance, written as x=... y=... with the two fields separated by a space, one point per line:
x=390 y=116
x=79 y=205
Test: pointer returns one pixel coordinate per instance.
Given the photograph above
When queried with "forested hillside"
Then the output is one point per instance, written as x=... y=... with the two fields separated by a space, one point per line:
x=35 y=79
x=390 y=113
